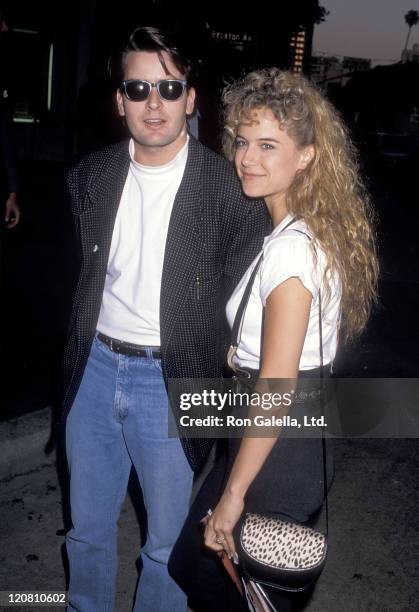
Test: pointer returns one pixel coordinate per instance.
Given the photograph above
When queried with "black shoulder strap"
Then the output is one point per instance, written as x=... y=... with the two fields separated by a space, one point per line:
x=238 y=319
x=322 y=396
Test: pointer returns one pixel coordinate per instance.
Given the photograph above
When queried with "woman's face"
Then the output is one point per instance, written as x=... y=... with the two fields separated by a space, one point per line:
x=266 y=157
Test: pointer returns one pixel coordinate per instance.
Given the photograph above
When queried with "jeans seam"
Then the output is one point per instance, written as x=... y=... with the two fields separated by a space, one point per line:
x=109 y=605
x=118 y=393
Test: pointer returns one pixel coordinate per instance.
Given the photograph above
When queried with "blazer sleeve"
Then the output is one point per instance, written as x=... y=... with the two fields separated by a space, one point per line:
x=73 y=189
x=72 y=184
x=248 y=227
x=247 y=224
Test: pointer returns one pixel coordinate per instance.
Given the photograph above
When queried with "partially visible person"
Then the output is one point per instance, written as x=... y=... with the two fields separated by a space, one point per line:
x=290 y=147
x=10 y=187
x=8 y=172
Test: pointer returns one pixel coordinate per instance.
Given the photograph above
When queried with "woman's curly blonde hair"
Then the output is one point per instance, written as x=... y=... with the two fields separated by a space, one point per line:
x=329 y=194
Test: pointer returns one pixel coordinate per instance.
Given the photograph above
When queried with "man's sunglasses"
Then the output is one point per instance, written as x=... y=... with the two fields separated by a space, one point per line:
x=168 y=89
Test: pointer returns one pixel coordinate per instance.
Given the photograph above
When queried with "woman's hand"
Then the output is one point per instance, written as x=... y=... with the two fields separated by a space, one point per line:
x=221 y=522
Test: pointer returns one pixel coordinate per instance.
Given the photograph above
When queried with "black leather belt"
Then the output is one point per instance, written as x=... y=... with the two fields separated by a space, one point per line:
x=131 y=350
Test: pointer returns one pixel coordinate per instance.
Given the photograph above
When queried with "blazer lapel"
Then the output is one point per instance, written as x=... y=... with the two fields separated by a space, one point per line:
x=184 y=243
x=103 y=196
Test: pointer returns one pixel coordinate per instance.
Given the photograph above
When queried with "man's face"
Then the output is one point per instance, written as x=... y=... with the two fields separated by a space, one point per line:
x=157 y=126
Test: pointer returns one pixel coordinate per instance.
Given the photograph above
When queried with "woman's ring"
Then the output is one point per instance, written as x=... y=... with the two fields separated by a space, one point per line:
x=219 y=539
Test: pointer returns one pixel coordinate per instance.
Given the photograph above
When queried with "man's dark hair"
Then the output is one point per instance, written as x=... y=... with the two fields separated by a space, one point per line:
x=153 y=40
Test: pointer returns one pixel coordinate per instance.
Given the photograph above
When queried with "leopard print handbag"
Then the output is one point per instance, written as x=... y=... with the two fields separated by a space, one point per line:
x=280 y=554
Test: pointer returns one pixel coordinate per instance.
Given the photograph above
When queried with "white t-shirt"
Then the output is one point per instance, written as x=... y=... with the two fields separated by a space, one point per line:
x=288 y=253
x=130 y=309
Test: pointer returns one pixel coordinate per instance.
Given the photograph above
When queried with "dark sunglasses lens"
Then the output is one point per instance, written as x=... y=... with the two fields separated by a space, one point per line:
x=170 y=90
x=137 y=90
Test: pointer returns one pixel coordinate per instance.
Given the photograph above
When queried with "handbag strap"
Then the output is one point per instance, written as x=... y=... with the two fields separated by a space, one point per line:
x=239 y=318
x=322 y=392
x=235 y=340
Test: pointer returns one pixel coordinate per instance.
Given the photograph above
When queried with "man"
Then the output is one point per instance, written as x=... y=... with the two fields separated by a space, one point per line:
x=165 y=234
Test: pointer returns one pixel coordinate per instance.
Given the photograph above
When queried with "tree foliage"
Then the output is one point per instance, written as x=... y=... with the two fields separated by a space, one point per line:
x=411 y=18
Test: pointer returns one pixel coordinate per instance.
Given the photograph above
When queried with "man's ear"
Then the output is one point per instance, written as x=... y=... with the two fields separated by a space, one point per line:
x=190 y=101
x=307 y=155
x=120 y=103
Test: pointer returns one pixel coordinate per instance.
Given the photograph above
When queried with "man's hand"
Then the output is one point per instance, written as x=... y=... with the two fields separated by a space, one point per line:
x=12 y=215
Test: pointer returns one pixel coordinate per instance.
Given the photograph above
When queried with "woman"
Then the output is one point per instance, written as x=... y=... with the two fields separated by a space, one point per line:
x=290 y=147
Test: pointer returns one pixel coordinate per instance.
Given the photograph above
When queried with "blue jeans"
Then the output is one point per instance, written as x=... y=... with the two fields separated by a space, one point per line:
x=118 y=419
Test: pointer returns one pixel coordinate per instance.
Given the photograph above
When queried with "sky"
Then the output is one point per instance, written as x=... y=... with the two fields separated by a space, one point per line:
x=373 y=29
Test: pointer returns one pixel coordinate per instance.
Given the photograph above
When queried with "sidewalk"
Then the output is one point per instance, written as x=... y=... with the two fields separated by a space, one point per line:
x=32 y=525
x=373 y=533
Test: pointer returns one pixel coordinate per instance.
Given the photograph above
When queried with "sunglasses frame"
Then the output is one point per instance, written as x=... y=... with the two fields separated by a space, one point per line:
x=157 y=84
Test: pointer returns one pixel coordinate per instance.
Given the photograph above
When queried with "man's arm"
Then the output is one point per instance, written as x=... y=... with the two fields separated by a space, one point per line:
x=248 y=226
x=73 y=247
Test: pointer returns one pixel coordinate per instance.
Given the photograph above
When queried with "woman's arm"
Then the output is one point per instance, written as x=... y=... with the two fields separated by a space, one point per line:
x=286 y=320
